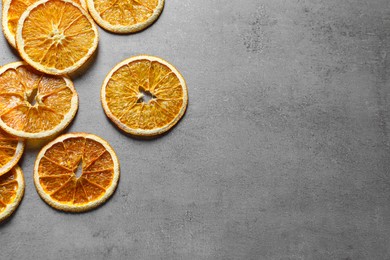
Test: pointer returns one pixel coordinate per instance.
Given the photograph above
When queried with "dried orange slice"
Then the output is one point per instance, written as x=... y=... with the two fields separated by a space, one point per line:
x=56 y=36
x=76 y=172
x=13 y=9
x=129 y=85
x=11 y=149
x=35 y=105
x=125 y=16
x=11 y=191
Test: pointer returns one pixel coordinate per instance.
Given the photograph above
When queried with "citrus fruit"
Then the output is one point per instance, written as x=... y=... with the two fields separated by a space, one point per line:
x=11 y=191
x=76 y=172
x=33 y=104
x=56 y=36
x=125 y=16
x=144 y=95
x=13 y=9
x=11 y=149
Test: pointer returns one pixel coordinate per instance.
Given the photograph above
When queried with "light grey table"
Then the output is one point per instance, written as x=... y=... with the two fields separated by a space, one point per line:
x=284 y=152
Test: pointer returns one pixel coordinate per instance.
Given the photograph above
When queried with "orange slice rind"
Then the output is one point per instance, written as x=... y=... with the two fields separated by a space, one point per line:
x=57 y=176
x=33 y=104
x=125 y=16
x=123 y=95
x=56 y=36
x=11 y=150
x=12 y=10
x=11 y=192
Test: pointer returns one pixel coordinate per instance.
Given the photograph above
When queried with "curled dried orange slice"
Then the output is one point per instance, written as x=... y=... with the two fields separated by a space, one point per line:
x=144 y=95
x=35 y=105
x=11 y=191
x=13 y=9
x=56 y=36
x=11 y=149
x=76 y=172
x=125 y=16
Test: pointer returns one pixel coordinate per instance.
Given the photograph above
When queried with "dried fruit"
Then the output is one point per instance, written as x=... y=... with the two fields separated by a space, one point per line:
x=76 y=172
x=56 y=36
x=11 y=191
x=33 y=104
x=125 y=16
x=144 y=95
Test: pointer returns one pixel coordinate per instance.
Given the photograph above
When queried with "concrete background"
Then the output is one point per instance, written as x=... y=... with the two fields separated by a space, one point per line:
x=283 y=153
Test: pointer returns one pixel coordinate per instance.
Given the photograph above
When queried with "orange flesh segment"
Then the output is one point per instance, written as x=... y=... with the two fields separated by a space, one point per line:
x=130 y=80
x=8 y=146
x=8 y=189
x=57 y=35
x=57 y=171
x=125 y=12
x=52 y=100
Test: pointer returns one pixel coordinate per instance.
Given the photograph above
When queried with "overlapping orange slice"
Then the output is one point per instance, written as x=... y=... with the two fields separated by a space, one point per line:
x=56 y=36
x=13 y=9
x=35 y=105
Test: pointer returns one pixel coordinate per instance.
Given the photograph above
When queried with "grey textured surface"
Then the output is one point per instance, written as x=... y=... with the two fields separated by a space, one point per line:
x=283 y=153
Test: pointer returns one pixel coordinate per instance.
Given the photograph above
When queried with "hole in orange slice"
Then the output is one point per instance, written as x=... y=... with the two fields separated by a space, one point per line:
x=32 y=98
x=79 y=170
x=144 y=96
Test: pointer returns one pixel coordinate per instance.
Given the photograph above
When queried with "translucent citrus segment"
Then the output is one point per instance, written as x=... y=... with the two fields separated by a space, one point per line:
x=12 y=11
x=144 y=96
x=76 y=172
x=11 y=191
x=34 y=104
x=56 y=36
x=11 y=149
x=125 y=16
